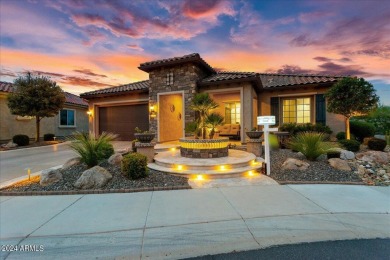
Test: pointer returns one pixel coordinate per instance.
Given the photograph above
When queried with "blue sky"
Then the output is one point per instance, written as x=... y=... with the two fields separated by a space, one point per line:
x=86 y=45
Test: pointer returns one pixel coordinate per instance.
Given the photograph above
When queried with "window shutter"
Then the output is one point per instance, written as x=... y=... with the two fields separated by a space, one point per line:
x=320 y=109
x=275 y=109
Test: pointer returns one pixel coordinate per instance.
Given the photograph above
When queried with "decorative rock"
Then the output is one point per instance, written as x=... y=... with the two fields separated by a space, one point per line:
x=71 y=162
x=339 y=164
x=381 y=172
x=50 y=176
x=96 y=177
x=115 y=159
x=347 y=155
x=361 y=170
x=10 y=144
x=374 y=156
x=322 y=158
x=295 y=164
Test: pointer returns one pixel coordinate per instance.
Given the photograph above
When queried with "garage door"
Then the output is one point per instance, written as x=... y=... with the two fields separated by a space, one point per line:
x=122 y=120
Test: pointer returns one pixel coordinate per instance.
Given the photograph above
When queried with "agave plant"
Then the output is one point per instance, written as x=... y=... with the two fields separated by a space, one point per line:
x=91 y=149
x=213 y=120
x=203 y=103
x=310 y=144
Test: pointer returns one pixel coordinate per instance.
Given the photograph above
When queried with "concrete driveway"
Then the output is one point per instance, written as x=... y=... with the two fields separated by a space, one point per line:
x=186 y=223
x=14 y=163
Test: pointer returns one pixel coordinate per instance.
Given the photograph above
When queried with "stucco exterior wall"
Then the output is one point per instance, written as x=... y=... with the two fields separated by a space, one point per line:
x=95 y=103
x=11 y=125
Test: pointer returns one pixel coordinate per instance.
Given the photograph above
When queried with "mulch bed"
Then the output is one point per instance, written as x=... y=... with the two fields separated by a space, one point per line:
x=318 y=171
x=32 y=144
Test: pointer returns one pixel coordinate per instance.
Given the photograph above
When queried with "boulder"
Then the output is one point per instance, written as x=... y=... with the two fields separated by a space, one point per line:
x=71 y=162
x=339 y=164
x=10 y=144
x=93 y=178
x=347 y=155
x=50 y=176
x=361 y=170
x=295 y=164
x=374 y=156
x=115 y=159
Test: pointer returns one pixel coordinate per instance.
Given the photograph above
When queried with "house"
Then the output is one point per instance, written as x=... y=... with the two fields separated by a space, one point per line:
x=73 y=117
x=161 y=104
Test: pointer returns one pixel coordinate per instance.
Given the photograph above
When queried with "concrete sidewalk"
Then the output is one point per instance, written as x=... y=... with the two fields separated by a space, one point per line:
x=185 y=223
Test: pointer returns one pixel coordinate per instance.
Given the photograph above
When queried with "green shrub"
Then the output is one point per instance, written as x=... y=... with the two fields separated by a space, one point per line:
x=341 y=136
x=134 y=166
x=310 y=144
x=294 y=128
x=362 y=129
x=387 y=137
x=48 y=137
x=92 y=150
x=333 y=154
x=377 y=144
x=21 y=140
x=350 y=145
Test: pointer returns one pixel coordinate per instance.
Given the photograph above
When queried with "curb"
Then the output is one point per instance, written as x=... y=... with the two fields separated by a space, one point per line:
x=37 y=147
x=24 y=178
x=76 y=192
x=321 y=182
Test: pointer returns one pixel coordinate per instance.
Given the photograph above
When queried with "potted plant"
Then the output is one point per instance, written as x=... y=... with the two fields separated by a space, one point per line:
x=254 y=133
x=144 y=136
x=213 y=120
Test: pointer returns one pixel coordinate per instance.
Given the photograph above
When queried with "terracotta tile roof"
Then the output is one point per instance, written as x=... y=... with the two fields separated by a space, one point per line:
x=193 y=57
x=140 y=85
x=70 y=98
x=283 y=80
x=228 y=75
x=6 y=86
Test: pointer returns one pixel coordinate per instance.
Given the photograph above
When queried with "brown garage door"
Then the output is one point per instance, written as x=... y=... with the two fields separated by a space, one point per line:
x=122 y=120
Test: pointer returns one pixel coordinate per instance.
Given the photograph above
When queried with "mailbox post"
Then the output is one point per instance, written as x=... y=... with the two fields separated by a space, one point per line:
x=266 y=121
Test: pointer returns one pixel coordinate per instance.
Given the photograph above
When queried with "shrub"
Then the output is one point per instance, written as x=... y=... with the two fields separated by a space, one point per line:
x=21 y=140
x=362 y=129
x=310 y=144
x=341 y=136
x=350 y=145
x=48 y=137
x=134 y=166
x=377 y=144
x=294 y=128
x=333 y=154
x=92 y=150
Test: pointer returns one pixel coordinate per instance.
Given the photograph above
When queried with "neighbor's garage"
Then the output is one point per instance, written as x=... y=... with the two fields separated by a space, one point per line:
x=122 y=120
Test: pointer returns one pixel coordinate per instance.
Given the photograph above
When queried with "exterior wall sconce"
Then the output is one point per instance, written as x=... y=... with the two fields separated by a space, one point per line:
x=153 y=112
x=89 y=112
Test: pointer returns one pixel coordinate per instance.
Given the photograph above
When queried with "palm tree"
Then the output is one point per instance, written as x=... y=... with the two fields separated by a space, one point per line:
x=213 y=120
x=203 y=103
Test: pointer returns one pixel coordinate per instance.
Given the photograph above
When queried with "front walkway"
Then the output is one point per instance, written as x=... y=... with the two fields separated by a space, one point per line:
x=185 y=223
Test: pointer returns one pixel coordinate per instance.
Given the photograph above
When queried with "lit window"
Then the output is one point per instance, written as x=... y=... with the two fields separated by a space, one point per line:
x=169 y=79
x=67 y=117
x=296 y=110
x=232 y=113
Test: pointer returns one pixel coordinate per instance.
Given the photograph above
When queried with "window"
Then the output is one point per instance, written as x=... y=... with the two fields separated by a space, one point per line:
x=296 y=110
x=232 y=113
x=169 y=79
x=67 y=117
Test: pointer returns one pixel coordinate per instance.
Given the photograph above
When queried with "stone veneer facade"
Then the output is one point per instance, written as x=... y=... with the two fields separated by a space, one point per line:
x=185 y=78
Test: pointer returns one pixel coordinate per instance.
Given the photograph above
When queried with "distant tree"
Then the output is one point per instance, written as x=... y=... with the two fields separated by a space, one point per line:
x=350 y=97
x=36 y=96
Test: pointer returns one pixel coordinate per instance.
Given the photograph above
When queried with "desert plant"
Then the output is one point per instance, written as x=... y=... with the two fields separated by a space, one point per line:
x=377 y=144
x=48 y=137
x=193 y=128
x=350 y=145
x=21 y=140
x=333 y=154
x=202 y=103
x=294 y=128
x=310 y=144
x=92 y=150
x=362 y=129
x=134 y=166
x=213 y=120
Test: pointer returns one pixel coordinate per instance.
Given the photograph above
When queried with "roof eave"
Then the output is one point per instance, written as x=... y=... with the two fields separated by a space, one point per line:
x=119 y=93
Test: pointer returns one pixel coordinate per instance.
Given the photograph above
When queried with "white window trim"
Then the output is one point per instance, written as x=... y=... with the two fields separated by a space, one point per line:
x=67 y=126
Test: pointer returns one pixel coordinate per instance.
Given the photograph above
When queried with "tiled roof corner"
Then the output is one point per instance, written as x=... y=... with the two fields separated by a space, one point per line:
x=6 y=86
x=140 y=85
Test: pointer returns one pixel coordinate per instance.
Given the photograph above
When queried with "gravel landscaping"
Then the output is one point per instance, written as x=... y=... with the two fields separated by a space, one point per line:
x=118 y=181
x=318 y=171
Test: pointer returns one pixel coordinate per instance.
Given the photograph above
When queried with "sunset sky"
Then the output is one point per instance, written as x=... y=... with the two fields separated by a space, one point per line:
x=86 y=45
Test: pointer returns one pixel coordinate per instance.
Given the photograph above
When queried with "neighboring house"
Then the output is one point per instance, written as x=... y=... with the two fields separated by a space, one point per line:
x=161 y=103
x=73 y=117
